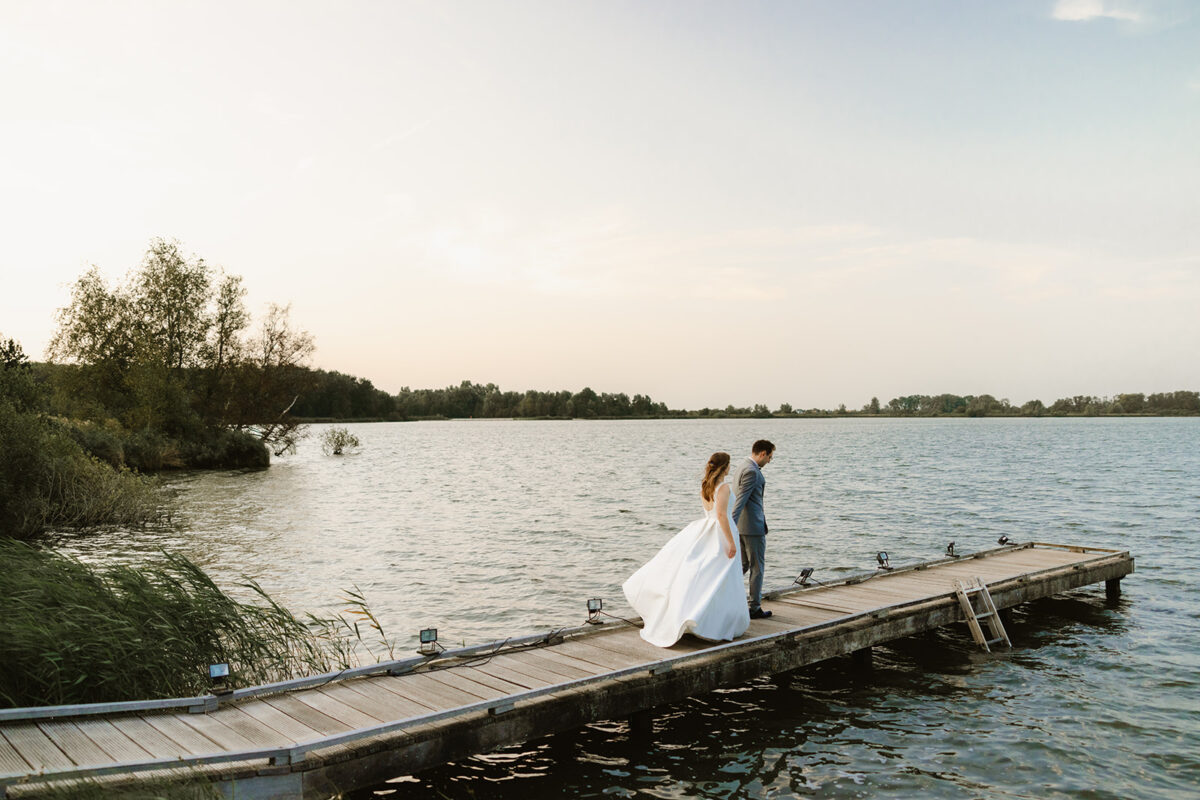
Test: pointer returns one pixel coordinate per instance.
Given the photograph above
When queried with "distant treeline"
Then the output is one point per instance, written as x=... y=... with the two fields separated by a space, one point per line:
x=333 y=395
x=337 y=396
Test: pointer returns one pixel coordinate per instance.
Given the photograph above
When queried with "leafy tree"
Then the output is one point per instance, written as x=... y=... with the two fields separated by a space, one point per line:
x=165 y=351
x=1133 y=403
x=17 y=387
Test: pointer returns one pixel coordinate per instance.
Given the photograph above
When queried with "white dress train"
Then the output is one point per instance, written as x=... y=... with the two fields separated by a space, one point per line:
x=691 y=586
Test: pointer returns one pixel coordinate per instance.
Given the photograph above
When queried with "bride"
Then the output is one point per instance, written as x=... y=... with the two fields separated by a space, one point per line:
x=694 y=584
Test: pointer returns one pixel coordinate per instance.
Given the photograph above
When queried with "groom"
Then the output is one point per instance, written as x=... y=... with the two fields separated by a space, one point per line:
x=752 y=522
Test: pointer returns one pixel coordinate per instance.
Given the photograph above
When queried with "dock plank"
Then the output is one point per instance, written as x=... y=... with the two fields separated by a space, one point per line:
x=454 y=687
x=395 y=705
x=512 y=676
x=763 y=627
x=825 y=604
x=307 y=715
x=286 y=726
x=261 y=734
x=192 y=740
x=607 y=655
x=225 y=737
x=152 y=740
x=10 y=760
x=595 y=655
x=546 y=672
x=799 y=615
x=553 y=656
x=334 y=707
x=75 y=743
x=35 y=747
x=347 y=705
x=112 y=741
x=565 y=672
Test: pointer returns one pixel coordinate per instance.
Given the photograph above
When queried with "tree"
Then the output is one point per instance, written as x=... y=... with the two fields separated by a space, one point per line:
x=17 y=387
x=1034 y=408
x=273 y=378
x=164 y=351
x=170 y=298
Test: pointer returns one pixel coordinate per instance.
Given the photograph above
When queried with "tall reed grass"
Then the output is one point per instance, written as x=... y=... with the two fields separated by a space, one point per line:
x=74 y=633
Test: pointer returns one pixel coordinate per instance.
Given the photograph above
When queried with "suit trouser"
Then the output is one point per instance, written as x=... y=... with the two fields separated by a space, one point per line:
x=754 y=556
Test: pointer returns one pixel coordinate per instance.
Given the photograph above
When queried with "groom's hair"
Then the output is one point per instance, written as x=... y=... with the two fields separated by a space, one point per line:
x=762 y=446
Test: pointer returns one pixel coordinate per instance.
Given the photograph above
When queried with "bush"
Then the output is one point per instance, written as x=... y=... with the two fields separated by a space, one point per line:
x=104 y=441
x=149 y=451
x=47 y=480
x=226 y=449
x=337 y=441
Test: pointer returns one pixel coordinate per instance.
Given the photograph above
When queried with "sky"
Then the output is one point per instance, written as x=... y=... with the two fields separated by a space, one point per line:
x=710 y=203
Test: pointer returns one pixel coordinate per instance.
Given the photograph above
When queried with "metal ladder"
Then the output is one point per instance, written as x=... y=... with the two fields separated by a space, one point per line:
x=966 y=598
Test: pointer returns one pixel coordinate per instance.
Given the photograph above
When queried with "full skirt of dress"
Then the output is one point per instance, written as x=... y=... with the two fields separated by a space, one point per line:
x=691 y=586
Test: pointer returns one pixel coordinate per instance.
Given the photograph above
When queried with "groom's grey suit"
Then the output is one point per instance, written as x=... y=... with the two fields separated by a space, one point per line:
x=751 y=523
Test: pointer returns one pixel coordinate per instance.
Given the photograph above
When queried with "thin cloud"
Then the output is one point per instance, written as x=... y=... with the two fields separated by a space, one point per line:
x=1087 y=10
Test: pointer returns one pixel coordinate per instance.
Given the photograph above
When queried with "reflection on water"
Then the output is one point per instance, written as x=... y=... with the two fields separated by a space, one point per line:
x=488 y=529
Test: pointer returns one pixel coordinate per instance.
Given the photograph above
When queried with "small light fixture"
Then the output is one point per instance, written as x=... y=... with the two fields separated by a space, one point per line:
x=594 y=607
x=950 y=550
x=429 y=645
x=219 y=674
x=882 y=558
x=805 y=574
x=1003 y=540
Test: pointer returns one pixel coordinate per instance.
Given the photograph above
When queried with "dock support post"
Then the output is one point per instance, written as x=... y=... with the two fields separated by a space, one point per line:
x=864 y=658
x=1112 y=589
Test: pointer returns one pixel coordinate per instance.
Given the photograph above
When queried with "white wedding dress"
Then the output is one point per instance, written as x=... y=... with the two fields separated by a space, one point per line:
x=691 y=586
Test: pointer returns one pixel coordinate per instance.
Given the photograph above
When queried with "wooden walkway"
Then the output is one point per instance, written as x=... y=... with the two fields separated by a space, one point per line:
x=351 y=732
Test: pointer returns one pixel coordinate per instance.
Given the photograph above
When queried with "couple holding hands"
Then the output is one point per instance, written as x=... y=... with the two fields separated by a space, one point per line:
x=694 y=585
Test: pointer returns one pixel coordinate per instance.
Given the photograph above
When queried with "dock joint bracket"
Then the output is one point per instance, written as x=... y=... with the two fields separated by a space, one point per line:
x=210 y=704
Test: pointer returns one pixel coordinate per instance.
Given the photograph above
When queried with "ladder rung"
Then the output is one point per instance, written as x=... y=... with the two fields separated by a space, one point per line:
x=997 y=639
x=985 y=615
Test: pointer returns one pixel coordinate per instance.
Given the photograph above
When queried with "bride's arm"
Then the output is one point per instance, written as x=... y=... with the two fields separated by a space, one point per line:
x=722 y=501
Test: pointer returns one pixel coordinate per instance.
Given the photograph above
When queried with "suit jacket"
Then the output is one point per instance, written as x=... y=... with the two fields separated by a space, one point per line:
x=748 y=512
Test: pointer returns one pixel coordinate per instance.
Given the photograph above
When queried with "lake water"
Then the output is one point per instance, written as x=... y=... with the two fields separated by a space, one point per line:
x=486 y=529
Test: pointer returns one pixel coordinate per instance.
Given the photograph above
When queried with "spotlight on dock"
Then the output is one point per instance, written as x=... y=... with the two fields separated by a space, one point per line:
x=218 y=674
x=595 y=606
x=882 y=558
x=1003 y=540
x=429 y=645
x=950 y=550
x=805 y=574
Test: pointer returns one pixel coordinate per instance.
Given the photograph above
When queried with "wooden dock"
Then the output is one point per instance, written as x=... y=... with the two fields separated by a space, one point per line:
x=313 y=737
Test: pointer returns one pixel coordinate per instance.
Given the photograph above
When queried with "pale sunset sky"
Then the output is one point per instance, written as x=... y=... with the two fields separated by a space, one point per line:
x=711 y=203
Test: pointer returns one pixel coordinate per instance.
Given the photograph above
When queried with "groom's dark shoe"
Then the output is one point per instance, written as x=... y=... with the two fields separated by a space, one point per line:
x=759 y=613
